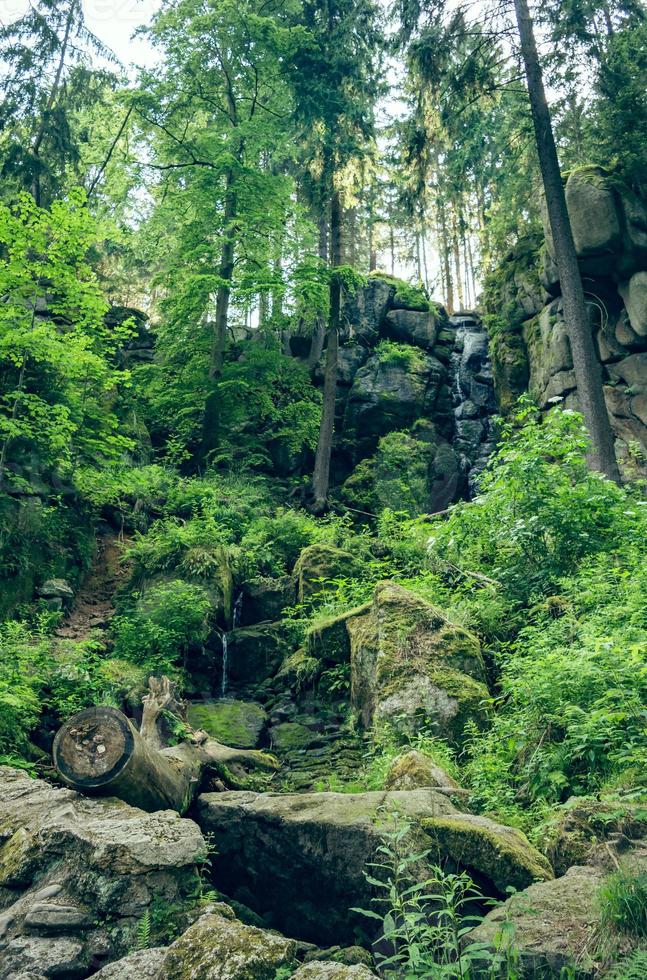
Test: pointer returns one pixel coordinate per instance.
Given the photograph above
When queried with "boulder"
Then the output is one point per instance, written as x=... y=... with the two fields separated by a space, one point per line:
x=634 y=294
x=582 y=824
x=144 y=964
x=300 y=859
x=255 y=652
x=412 y=327
x=237 y=723
x=552 y=925
x=415 y=770
x=289 y=736
x=412 y=667
x=264 y=599
x=325 y=970
x=57 y=593
x=593 y=212
x=317 y=564
x=77 y=874
x=549 y=355
x=219 y=947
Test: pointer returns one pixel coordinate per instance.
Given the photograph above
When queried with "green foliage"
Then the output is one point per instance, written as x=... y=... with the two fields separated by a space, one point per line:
x=632 y=967
x=165 y=622
x=399 y=355
x=389 y=742
x=425 y=922
x=54 y=346
x=397 y=476
x=623 y=902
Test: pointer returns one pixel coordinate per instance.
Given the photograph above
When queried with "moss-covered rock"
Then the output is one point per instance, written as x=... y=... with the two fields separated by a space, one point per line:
x=317 y=564
x=502 y=854
x=581 y=824
x=510 y=368
x=300 y=669
x=264 y=599
x=412 y=667
x=326 y=970
x=237 y=723
x=416 y=769
x=217 y=947
x=328 y=640
x=289 y=736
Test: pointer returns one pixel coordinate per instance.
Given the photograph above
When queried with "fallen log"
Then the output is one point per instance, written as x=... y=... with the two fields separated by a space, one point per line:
x=100 y=751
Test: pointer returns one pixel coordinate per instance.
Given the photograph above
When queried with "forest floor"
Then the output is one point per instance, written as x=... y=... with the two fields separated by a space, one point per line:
x=93 y=606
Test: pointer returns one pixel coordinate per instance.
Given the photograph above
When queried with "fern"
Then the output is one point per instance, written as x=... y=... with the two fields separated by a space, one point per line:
x=633 y=967
x=143 y=931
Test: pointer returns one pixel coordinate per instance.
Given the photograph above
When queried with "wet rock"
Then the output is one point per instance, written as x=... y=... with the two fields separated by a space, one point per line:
x=237 y=723
x=220 y=948
x=264 y=599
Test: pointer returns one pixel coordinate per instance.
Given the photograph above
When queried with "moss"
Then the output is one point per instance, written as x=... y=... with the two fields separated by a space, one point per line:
x=15 y=856
x=502 y=854
x=290 y=735
x=237 y=723
x=406 y=296
x=299 y=668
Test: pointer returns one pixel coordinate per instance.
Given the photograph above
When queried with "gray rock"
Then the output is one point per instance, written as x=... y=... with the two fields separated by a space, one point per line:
x=57 y=593
x=77 y=874
x=415 y=770
x=325 y=970
x=301 y=858
x=634 y=294
x=144 y=964
x=412 y=327
x=364 y=311
x=593 y=212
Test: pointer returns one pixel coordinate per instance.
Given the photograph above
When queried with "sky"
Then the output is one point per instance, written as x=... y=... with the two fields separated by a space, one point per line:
x=113 y=21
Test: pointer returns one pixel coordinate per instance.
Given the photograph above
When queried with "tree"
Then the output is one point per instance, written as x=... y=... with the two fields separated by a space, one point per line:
x=588 y=372
x=45 y=59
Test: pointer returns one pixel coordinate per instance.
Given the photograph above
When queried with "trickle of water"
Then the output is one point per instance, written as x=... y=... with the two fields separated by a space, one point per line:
x=224 y=638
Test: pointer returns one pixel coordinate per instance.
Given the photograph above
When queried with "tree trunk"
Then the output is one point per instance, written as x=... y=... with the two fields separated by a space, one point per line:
x=588 y=373
x=225 y=273
x=321 y=475
x=319 y=326
x=99 y=751
x=446 y=267
x=457 y=262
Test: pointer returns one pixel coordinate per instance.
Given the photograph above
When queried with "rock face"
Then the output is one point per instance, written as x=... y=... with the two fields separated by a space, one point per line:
x=77 y=874
x=532 y=349
x=300 y=860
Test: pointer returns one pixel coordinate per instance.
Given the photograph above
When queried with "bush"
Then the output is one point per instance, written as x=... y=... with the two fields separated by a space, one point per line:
x=623 y=902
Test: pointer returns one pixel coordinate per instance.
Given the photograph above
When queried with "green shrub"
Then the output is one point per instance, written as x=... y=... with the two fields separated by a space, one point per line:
x=623 y=902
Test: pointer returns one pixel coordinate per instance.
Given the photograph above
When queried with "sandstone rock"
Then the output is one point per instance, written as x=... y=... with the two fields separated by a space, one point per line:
x=317 y=564
x=144 y=964
x=237 y=723
x=412 y=327
x=593 y=212
x=411 y=666
x=634 y=294
x=553 y=924
x=415 y=770
x=364 y=311
x=323 y=970
x=220 y=948
x=300 y=859
x=510 y=368
x=77 y=874
x=264 y=599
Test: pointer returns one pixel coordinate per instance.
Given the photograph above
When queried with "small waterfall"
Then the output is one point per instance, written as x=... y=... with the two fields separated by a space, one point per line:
x=472 y=397
x=224 y=638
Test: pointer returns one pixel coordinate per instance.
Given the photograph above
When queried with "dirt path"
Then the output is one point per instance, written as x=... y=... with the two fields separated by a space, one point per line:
x=93 y=606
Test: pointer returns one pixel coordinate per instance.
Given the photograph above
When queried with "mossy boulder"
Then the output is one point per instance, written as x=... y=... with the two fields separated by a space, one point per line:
x=412 y=667
x=416 y=769
x=502 y=854
x=219 y=947
x=289 y=736
x=326 y=970
x=300 y=859
x=264 y=599
x=143 y=964
x=237 y=723
x=328 y=640
x=579 y=826
x=510 y=368
x=317 y=565
x=300 y=669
